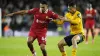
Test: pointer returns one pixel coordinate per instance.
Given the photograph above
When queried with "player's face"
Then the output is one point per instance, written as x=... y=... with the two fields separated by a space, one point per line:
x=43 y=7
x=72 y=9
x=89 y=6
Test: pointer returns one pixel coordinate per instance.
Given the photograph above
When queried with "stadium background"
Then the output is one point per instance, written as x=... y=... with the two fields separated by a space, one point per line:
x=16 y=27
x=22 y=23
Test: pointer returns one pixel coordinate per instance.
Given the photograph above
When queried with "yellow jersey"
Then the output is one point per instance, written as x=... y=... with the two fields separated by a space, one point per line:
x=58 y=22
x=76 y=25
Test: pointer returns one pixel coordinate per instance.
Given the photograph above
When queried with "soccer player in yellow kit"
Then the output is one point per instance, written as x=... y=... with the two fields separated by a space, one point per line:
x=76 y=27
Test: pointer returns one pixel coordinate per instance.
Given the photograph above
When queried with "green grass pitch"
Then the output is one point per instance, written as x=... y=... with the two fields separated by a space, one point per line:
x=16 y=46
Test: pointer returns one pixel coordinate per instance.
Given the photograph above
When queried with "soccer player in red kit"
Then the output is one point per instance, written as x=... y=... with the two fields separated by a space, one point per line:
x=90 y=14
x=38 y=30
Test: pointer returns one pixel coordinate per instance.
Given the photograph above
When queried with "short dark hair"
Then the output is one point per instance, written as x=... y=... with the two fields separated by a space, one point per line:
x=72 y=5
x=43 y=2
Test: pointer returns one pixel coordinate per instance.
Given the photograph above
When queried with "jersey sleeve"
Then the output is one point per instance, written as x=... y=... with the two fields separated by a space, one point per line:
x=76 y=19
x=54 y=15
x=32 y=11
x=67 y=16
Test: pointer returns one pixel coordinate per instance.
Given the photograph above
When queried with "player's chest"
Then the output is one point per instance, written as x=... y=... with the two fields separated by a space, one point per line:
x=73 y=16
x=42 y=16
x=90 y=12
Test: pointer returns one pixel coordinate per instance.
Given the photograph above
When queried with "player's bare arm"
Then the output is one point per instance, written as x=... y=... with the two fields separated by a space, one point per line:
x=77 y=21
x=19 y=12
x=64 y=19
x=59 y=18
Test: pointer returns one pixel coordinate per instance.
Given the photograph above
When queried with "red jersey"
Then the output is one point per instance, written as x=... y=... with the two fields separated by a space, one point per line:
x=41 y=20
x=90 y=14
x=90 y=18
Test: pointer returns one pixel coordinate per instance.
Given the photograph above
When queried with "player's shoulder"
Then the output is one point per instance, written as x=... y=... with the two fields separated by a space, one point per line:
x=78 y=12
x=51 y=12
x=94 y=10
x=67 y=13
x=34 y=9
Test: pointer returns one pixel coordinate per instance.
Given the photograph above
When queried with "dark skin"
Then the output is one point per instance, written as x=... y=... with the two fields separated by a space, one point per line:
x=31 y=39
x=91 y=29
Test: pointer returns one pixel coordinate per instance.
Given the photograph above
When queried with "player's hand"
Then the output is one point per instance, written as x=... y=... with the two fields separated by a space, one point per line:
x=65 y=19
x=9 y=14
x=61 y=18
x=68 y=20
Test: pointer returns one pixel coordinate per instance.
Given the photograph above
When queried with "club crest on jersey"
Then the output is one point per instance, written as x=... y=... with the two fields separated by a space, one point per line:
x=79 y=15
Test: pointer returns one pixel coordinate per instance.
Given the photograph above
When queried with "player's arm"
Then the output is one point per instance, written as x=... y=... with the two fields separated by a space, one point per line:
x=55 y=17
x=19 y=12
x=72 y=20
x=53 y=20
x=76 y=21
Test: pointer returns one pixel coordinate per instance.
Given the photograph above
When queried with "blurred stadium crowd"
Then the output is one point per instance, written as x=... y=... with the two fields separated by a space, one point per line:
x=23 y=22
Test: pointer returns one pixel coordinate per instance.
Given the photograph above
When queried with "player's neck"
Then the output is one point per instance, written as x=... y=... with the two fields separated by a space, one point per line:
x=43 y=12
x=73 y=12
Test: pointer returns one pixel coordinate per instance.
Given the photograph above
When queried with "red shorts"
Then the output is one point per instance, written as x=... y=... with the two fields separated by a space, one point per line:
x=89 y=24
x=40 y=35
